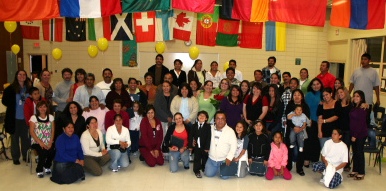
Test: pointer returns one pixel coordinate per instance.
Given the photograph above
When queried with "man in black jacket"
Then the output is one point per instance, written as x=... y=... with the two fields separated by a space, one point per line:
x=158 y=70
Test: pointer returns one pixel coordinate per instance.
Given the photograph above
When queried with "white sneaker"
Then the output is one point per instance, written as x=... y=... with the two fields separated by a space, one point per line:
x=115 y=170
x=321 y=181
x=40 y=174
x=300 y=149
x=292 y=146
x=47 y=171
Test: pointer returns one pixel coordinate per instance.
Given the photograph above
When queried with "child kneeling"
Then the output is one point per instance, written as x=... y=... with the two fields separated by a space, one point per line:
x=334 y=159
x=278 y=159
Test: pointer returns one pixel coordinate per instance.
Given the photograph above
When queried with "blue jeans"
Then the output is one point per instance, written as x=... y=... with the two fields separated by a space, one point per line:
x=212 y=168
x=323 y=140
x=372 y=138
x=118 y=159
x=297 y=137
x=174 y=157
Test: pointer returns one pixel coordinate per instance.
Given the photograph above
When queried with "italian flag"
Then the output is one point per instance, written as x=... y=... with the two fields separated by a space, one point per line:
x=99 y=28
x=207 y=28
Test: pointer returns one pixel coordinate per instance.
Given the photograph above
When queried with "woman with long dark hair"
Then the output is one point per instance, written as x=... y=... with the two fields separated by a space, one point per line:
x=14 y=97
x=232 y=106
x=118 y=91
x=73 y=113
x=275 y=110
x=197 y=73
x=179 y=76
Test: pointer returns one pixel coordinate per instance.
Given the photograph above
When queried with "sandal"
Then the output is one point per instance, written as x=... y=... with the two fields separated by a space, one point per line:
x=359 y=177
x=352 y=175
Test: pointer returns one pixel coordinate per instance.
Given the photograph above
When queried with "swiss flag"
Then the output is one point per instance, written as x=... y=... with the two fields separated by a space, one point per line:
x=183 y=24
x=145 y=26
x=30 y=29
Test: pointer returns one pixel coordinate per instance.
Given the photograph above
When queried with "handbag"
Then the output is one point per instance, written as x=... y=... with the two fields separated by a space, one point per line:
x=257 y=167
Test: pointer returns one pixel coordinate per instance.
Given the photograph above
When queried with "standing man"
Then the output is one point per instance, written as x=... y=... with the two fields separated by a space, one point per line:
x=270 y=69
x=223 y=145
x=83 y=93
x=326 y=77
x=231 y=76
x=158 y=70
x=238 y=74
x=258 y=74
x=366 y=79
x=62 y=91
x=104 y=85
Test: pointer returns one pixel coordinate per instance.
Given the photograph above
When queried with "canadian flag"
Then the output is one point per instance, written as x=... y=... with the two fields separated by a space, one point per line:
x=30 y=29
x=145 y=26
x=183 y=24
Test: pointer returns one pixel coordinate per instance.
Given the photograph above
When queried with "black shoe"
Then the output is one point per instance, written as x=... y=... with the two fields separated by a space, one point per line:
x=186 y=167
x=198 y=175
x=307 y=166
x=141 y=158
x=83 y=178
x=301 y=173
x=16 y=162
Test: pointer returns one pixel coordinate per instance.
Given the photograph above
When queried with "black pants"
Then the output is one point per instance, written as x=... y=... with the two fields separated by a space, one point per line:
x=200 y=158
x=20 y=135
x=358 y=156
x=346 y=138
x=134 y=137
x=45 y=157
x=67 y=172
x=311 y=144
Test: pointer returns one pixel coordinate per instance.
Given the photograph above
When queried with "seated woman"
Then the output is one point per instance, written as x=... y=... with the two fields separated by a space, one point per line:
x=181 y=131
x=334 y=159
x=41 y=128
x=151 y=139
x=98 y=112
x=117 y=109
x=118 y=140
x=93 y=145
x=69 y=158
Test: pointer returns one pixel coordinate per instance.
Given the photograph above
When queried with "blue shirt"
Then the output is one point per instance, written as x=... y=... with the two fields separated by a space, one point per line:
x=20 y=100
x=184 y=109
x=68 y=149
x=313 y=100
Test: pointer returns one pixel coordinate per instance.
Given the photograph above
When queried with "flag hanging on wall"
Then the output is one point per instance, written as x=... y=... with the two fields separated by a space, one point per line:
x=303 y=12
x=129 y=53
x=75 y=29
x=275 y=36
x=144 y=26
x=164 y=25
x=358 y=14
x=28 y=10
x=30 y=29
x=53 y=30
x=251 y=35
x=198 y=6
x=227 y=32
x=121 y=27
x=89 y=8
x=207 y=27
x=131 y=6
x=183 y=24
x=99 y=28
x=245 y=10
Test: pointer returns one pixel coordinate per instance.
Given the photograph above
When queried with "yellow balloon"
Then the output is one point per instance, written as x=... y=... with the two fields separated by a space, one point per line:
x=92 y=51
x=103 y=44
x=10 y=26
x=160 y=47
x=57 y=53
x=15 y=48
x=226 y=66
x=194 y=52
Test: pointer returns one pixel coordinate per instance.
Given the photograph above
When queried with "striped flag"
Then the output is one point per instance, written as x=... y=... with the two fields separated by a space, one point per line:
x=164 y=25
x=122 y=27
x=53 y=30
x=89 y=8
x=30 y=29
x=99 y=28
x=275 y=36
x=358 y=14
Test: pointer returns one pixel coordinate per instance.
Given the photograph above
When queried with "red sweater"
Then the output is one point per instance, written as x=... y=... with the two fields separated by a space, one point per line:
x=109 y=119
x=29 y=108
x=147 y=139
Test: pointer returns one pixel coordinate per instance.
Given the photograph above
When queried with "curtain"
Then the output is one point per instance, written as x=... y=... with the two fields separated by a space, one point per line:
x=359 y=47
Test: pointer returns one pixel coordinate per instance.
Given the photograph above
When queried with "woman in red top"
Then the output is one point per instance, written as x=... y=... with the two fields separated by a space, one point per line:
x=80 y=77
x=117 y=109
x=255 y=105
x=151 y=139
x=181 y=131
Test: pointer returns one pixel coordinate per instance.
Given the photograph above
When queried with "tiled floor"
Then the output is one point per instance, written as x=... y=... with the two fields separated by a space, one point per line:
x=138 y=176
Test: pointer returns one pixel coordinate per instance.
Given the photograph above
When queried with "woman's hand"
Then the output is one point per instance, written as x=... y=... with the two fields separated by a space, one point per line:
x=248 y=121
x=265 y=163
x=320 y=135
x=250 y=161
x=275 y=172
x=182 y=150
x=170 y=119
x=104 y=152
x=187 y=121
x=173 y=148
x=297 y=129
x=156 y=153
x=321 y=121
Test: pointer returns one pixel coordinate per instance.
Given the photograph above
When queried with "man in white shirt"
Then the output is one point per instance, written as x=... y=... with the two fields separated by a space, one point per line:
x=223 y=145
x=84 y=92
x=104 y=85
x=238 y=74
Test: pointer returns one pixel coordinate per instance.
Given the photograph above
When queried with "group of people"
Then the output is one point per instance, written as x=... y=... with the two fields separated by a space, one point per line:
x=220 y=118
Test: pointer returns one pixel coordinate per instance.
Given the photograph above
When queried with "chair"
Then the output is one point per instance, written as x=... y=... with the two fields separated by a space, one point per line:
x=377 y=152
x=379 y=113
x=29 y=159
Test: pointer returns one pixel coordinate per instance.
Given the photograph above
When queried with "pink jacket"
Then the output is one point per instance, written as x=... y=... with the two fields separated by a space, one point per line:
x=278 y=156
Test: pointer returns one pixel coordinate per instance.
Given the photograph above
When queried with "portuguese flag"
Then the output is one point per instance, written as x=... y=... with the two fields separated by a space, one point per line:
x=207 y=27
x=228 y=32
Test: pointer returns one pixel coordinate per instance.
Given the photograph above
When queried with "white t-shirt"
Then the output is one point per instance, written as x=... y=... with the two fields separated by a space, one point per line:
x=365 y=79
x=335 y=153
x=105 y=87
x=238 y=75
